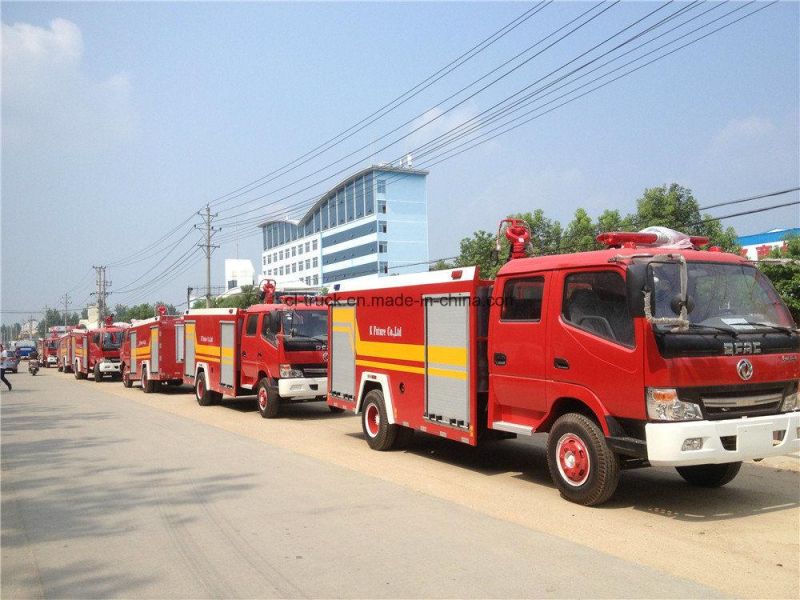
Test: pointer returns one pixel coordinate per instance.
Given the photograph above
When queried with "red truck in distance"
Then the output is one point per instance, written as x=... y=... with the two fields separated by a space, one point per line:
x=96 y=351
x=152 y=352
x=650 y=352
x=48 y=346
x=276 y=351
x=65 y=352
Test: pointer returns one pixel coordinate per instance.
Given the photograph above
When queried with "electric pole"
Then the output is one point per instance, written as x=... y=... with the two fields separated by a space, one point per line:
x=66 y=300
x=102 y=292
x=208 y=247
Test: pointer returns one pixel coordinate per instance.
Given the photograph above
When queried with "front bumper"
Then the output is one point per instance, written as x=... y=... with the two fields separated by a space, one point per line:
x=303 y=387
x=52 y=360
x=108 y=367
x=745 y=439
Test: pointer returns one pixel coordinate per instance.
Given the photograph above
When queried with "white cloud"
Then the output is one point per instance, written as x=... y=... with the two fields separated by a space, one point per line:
x=48 y=99
x=742 y=132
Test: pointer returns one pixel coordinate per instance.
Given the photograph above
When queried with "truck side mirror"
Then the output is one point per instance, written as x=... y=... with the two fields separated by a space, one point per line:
x=635 y=282
x=275 y=321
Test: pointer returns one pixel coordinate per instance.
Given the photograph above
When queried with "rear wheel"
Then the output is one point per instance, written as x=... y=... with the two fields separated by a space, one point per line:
x=710 y=475
x=126 y=377
x=203 y=396
x=380 y=434
x=148 y=385
x=582 y=466
x=78 y=374
x=268 y=399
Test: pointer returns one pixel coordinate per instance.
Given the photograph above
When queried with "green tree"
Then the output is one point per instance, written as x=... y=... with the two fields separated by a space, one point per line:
x=440 y=265
x=479 y=250
x=249 y=296
x=675 y=207
x=786 y=276
x=611 y=220
x=580 y=234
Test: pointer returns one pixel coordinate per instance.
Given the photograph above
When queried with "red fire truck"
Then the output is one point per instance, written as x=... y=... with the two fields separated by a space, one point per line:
x=152 y=352
x=651 y=352
x=276 y=350
x=65 y=353
x=96 y=351
x=48 y=346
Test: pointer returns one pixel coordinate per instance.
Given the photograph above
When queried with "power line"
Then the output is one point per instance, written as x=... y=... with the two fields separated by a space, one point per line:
x=386 y=108
x=747 y=212
x=759 y=197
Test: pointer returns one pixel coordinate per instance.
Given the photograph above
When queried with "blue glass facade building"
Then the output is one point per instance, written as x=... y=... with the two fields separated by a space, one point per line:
x=373 y=222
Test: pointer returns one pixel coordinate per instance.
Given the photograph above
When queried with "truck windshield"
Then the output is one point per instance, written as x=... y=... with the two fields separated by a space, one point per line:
x=52 y=345
x=727 y=296
x=112 y=340
x=306 y=324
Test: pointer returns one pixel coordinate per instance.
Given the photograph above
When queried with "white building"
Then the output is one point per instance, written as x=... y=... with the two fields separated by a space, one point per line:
x=238 y=272
x=759 y=245
x=373 y=222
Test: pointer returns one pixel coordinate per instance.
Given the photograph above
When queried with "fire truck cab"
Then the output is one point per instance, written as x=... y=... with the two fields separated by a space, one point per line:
x=96 y=351
x=640 y=354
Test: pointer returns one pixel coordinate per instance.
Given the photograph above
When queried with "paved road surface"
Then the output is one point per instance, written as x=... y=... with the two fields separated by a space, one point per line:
x=108 y=492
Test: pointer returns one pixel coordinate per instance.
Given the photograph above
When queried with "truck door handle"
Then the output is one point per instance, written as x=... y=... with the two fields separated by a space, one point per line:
x=258 y=355
x=244 y=354
x=561 y=363
x=499 y=359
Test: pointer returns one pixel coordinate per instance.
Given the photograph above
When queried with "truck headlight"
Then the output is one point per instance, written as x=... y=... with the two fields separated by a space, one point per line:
x=663 y=405
x=287 y=371
x=791 y=402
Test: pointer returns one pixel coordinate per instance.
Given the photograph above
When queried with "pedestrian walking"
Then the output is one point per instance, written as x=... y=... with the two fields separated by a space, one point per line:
x=3 y=359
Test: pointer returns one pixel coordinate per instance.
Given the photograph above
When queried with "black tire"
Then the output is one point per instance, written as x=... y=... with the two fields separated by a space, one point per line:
x=268 y=400
x=98 y=376
x=335 y=409
x=60 y=368
x=78 y=374
x=582 y=466
x=380 y=434
x=710 y=476
x=203 y=396
x=148 y=385
x=126 y=377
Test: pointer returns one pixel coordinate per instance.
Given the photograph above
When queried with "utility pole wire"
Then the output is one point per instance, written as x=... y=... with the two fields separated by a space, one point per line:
x=747 y=212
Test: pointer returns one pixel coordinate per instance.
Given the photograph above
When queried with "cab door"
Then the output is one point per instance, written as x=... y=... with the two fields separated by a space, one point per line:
x=517 y=351
x=250 y=350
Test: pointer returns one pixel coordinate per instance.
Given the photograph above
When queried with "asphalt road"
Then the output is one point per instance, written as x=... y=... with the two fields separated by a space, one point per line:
x=108 y=492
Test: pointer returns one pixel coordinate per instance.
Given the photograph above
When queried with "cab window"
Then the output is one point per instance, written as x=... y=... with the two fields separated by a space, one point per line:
x=266 y=332
x=522 y=299
x=596 y=303
x=252 y=324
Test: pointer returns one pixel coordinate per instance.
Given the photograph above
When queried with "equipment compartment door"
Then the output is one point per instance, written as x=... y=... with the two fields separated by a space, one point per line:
x=85 y=358
x=179 y=342
x=134 y=353
x=190 y=336
x=154 y=349
x=342 y=359
x=447 y=359
x=227 y=341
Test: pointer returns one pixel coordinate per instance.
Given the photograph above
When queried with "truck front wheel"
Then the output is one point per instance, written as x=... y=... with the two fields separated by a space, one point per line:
x=710 y=475
x=98 y=376
x=126 y=377
x=268 y=400
x=582 y=466
x=380 y=434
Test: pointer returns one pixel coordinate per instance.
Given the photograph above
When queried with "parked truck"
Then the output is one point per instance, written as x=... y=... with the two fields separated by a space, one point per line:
x=152 y=352
x=48 y=346
x=276 y=351
x=650 y=352
x=65 y=352
x=96 y=351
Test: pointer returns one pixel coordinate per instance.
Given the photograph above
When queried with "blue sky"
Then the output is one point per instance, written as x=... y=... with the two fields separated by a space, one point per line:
x=121 y=119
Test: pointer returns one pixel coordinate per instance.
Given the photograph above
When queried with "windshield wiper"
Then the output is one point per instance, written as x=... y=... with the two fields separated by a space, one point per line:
x=729 y=330
x=783 y=328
